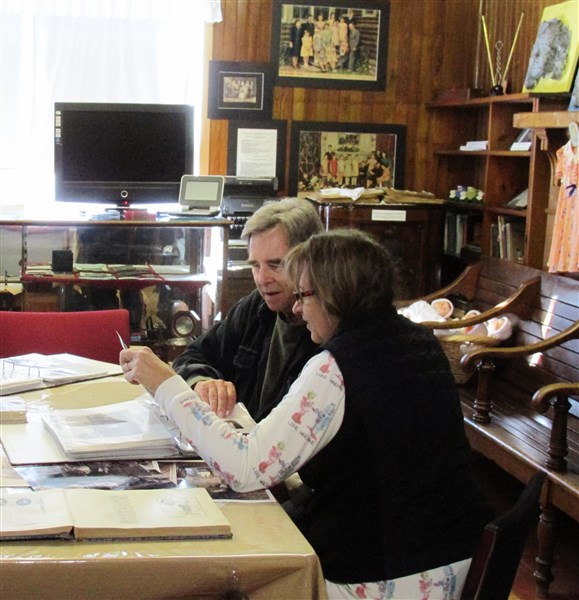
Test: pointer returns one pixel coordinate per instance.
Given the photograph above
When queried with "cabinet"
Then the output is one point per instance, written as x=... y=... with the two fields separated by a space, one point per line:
x=411 y=232
x=499 y=172
x=145 y=266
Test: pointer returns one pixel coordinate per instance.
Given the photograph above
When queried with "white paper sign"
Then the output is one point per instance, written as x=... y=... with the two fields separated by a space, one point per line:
x=388 y=215
x=256 y=152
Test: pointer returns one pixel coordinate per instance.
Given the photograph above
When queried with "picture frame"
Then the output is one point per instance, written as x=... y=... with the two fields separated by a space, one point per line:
x=555 y=53
x=349 y=155
x=335 y=54
x=574 y=100
x=250 y=145
x=238 y=90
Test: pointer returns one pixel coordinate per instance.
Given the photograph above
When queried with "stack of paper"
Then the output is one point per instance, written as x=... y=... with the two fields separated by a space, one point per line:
x=475 y=145
x=125 y=430
x=12 y=410
x=32 y=371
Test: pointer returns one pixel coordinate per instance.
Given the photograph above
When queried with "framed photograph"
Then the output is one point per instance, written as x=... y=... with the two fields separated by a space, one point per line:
x=556 y=50
x=335 y=45
x=348 y=155
x=574 y=100
x=257 y=149
x=239 y=90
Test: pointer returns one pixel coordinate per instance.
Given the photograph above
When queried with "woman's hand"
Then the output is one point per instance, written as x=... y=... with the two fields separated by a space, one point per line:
x=142 y=365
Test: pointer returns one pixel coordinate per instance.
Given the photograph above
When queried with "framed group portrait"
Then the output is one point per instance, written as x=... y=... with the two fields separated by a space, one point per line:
x=343 y=44
x=239 y=90
x=345 y=155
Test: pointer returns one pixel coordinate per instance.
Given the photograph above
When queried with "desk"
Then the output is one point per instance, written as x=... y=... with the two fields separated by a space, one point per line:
x=267 y=558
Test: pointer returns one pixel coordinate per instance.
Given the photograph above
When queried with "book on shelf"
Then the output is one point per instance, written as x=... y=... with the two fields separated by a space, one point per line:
x=523 y=141
x=89 y=514
x=495 y=250
x=32 y=371
x=475 y=145
x=511 y=238
x=519 y=201
x=515 y=241
x=133 y=429
x=457 y=232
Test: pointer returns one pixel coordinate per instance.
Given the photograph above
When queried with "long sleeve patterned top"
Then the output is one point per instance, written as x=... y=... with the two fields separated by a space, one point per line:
x=303 y=423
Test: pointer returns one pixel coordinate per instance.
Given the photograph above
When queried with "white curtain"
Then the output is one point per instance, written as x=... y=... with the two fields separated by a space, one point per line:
x=148 y=51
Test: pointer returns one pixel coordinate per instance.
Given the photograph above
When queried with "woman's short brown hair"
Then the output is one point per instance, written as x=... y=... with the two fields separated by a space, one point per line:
x=350 y=271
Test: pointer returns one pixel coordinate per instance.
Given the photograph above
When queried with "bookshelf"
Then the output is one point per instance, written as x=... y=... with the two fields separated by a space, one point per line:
x=498 y=171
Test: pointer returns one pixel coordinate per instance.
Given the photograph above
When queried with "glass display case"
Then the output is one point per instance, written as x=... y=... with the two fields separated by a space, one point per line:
x=152 y=268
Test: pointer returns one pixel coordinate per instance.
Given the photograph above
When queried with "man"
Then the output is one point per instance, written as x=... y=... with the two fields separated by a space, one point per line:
x=256 y=353
x=354 y=41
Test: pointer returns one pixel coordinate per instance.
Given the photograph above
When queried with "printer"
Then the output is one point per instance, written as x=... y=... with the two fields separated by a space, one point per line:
x=242 y=196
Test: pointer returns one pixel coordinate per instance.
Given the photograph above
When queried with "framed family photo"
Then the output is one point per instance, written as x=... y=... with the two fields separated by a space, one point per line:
x=342 y=44
x=346 y=155
x=257 y=149
x=239 y=90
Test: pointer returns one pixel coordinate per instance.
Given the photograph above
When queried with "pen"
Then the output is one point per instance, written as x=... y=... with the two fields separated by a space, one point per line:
x=125 y=347
x=123 y=344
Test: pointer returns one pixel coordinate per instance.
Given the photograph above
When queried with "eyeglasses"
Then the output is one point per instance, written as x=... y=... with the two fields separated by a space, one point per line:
x=299 y=296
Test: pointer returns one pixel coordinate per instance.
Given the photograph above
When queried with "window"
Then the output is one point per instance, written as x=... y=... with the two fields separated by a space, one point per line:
x=148 y=51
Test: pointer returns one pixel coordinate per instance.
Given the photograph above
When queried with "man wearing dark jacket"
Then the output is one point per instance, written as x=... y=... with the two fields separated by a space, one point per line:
x=256 y=353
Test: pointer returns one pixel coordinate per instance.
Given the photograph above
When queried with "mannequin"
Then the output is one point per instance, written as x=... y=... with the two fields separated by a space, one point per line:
x=564 y=254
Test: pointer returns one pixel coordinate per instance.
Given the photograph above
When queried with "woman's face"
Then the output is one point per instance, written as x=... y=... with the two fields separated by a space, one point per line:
x=320 y=324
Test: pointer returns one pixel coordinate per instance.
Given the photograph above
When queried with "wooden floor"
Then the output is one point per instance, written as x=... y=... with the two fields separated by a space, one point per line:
x=503 y=490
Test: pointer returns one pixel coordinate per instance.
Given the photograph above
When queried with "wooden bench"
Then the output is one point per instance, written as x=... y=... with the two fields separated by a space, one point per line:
x=516 y=407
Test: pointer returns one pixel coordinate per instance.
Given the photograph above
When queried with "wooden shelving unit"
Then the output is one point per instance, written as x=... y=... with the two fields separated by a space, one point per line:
x=501 y=173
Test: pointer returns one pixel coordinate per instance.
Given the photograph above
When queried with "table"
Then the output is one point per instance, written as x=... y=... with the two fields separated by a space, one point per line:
x=267 y=558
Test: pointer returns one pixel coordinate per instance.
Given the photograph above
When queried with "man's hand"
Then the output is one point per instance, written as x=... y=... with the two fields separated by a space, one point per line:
x=219 y=394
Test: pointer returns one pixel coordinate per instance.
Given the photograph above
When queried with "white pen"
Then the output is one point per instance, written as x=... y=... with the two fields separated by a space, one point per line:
x=125 y=347
x=123 y=344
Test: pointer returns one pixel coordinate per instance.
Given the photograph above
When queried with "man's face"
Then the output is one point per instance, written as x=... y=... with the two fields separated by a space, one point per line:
x=267 y=251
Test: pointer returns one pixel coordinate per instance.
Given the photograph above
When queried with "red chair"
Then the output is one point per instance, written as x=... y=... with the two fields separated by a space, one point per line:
x=91 y=334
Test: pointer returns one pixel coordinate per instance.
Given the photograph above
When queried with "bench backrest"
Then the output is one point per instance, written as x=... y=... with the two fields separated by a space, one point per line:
x=556 y=309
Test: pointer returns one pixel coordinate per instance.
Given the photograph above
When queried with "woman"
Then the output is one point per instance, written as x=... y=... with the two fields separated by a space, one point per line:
x=373 y=425
x=295 y=43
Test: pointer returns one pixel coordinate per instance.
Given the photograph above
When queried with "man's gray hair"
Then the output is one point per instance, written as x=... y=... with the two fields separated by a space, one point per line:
x=296 y=217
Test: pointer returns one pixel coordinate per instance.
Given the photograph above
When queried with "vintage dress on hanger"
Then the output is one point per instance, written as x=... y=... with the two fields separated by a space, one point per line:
x=564 y=254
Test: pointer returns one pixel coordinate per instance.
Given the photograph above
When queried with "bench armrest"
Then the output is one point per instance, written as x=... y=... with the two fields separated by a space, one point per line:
x=543 y=396
x=464 y=284
x=480 y=354
x=519 y=303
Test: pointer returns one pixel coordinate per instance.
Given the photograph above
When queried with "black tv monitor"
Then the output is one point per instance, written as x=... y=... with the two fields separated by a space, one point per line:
x=121 y=154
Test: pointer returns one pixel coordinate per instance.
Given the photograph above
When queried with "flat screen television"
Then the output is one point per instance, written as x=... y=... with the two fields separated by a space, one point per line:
x=121 y=154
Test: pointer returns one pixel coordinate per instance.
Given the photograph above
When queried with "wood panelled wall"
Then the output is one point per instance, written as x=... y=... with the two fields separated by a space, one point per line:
x=433 y=45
